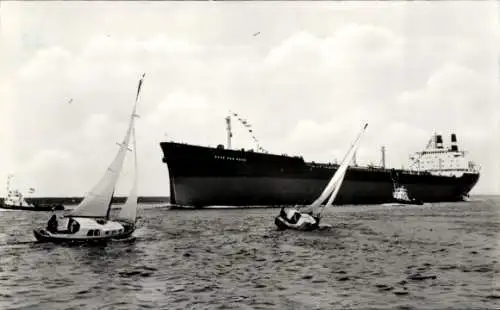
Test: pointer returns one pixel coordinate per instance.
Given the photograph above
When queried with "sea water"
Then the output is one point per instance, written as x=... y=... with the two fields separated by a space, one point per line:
x=436 y=256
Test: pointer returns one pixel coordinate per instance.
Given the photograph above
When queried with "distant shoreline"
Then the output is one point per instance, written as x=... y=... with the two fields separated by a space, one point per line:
x=76 y=200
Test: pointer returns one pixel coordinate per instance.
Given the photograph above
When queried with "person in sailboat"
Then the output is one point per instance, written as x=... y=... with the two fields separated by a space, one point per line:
x=73 y=226
x=52 y=224
x=59 y=224
x=282 y=212
x=293 y=216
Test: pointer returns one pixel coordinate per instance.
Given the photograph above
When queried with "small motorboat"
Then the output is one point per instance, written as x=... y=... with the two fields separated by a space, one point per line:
x=16 y=201
x=400 y=196
x=90 y=221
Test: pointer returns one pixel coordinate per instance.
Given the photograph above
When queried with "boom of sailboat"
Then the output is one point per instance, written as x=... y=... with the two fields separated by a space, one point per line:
x=90 y=221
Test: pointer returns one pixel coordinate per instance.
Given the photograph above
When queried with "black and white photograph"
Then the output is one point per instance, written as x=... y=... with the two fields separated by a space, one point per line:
x=250 y=154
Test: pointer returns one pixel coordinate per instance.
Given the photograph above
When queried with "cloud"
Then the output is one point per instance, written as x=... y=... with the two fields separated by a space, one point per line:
x=454 y=96
x=182 y=116
x=306 y=84
x=45 y=169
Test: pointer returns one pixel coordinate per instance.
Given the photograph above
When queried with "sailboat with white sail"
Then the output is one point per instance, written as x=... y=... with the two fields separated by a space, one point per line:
x=90 y=220
x=293 y=219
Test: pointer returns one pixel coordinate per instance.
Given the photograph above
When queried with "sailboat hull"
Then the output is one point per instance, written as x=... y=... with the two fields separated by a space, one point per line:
x=86 y=230
x=282 y=224
x=129 y=230
x=42 y=235
x=292 y=219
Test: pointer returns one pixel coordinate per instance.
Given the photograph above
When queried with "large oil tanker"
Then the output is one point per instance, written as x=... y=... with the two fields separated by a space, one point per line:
x=206 y=176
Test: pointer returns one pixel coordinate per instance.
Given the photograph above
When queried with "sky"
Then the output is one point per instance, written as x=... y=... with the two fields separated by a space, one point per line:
x=306 y=83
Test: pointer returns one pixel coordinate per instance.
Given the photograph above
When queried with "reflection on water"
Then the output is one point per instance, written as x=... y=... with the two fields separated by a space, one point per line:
x=431 y=256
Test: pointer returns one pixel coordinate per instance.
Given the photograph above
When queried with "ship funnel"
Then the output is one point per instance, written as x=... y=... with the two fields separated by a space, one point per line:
x=383 y=156
x=454 y=145
x=439 y=142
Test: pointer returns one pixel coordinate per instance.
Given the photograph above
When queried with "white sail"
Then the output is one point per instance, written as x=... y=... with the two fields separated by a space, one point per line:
x=128 y=213
x=341 y=174
x=98 y=201
x=336 y=181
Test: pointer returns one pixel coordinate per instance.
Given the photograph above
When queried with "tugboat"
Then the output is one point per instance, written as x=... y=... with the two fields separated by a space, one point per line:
x=15 y=201
x=400 y=196
x=90 y=221
x=400 y=193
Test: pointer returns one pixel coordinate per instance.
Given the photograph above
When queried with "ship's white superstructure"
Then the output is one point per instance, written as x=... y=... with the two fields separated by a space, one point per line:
x=439 y=160
x=14 y=197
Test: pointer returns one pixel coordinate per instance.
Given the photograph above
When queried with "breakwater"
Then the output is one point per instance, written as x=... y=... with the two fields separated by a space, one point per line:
x=77 y=200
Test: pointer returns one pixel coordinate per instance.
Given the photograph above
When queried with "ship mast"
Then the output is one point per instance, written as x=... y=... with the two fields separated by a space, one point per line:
x=383 y=156
x=8 y=183
x=229 y=133
x=245 y=124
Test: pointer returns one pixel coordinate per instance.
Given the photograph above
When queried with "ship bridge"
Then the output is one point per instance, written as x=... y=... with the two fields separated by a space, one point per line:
x=438 y=160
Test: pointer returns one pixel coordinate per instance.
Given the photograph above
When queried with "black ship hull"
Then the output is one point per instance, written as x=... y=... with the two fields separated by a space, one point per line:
x=203 y=176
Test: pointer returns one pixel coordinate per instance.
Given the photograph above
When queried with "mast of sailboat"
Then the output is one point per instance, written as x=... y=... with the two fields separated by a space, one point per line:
x=97 y=202
x=128 y=212
x=109 y=205
x=131 y=128
x=136 y=172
